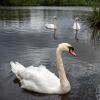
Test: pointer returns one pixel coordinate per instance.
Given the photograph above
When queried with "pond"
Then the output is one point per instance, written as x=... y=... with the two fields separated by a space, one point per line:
x=24 y=38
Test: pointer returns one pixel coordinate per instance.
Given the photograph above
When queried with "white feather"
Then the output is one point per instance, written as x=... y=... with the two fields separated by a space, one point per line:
x=40 y=79
x=76 y=25
x=52 y=25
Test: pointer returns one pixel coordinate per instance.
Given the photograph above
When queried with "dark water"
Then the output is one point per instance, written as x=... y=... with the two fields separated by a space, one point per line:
x=23 y=38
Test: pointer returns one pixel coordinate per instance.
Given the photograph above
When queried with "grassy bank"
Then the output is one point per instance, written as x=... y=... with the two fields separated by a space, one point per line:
x=94 y=18
x=48 y=2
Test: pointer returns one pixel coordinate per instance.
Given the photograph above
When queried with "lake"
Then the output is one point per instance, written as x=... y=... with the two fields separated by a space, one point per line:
x=24 y=38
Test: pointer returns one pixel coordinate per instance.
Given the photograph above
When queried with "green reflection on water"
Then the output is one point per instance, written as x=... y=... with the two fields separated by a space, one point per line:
x=95 y=36
x=13 y=14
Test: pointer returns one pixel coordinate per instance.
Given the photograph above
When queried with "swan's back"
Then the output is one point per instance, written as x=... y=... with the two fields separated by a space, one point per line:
x=76 y=26
x=38 y=79
x=50 y=26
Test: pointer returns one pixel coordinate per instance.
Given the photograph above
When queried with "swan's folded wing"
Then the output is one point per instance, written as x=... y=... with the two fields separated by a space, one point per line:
x=40 y=79
x=50 y=26
x=40 y=75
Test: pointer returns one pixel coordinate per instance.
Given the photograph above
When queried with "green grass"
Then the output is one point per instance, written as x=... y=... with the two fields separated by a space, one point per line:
x=93 y=21
x=94 y=18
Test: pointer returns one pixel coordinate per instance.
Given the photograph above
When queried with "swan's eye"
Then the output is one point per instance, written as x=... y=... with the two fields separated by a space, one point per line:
x=71 y=49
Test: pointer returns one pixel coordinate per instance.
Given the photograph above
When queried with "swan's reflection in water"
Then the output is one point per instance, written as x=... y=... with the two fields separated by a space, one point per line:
x=49 y=97
x=64 y=97
x=55 y=34
x=76 y=32
x=95 y=36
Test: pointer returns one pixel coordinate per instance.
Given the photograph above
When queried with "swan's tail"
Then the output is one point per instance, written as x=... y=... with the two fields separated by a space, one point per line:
x=16 y=68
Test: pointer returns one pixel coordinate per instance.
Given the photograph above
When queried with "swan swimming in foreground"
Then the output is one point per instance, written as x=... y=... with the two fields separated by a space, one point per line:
x=52 y=26
x=40 y=79
x=76 y=25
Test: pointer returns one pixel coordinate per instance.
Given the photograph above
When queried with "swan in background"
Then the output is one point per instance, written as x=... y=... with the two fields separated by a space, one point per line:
x=76 y=25
x=52 y=26
x=40 y=79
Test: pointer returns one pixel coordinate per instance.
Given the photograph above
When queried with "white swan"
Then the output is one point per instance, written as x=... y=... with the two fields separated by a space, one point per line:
x=40 y=79
x=76 y=25
x=52 y=26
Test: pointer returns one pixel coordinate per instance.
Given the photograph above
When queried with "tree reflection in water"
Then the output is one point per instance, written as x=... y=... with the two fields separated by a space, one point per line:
x=95 y=36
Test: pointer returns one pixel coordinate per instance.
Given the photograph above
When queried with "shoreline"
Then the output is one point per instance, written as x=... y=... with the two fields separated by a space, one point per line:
x=81 y=8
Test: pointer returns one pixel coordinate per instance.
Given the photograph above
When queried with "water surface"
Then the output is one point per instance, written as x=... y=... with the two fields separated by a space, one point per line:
x=24 y=38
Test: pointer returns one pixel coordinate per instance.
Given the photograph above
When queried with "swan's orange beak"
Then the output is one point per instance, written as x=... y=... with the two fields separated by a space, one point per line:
x=72 y=52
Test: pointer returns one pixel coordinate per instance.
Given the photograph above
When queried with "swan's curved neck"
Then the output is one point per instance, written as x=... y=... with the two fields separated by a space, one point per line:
x=54 y=22
x=60 y=67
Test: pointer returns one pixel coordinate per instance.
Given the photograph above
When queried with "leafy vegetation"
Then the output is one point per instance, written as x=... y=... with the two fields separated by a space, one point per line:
x=93 y=21
x=94 y=18
x=47 y=2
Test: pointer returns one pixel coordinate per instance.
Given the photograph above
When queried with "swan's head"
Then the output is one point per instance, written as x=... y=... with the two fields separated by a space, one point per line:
x=76 y=18
x=54 y=17
x=67 y=47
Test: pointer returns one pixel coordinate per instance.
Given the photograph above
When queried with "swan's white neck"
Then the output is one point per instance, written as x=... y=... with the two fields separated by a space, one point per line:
x=62 y=75
x=54 y=22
